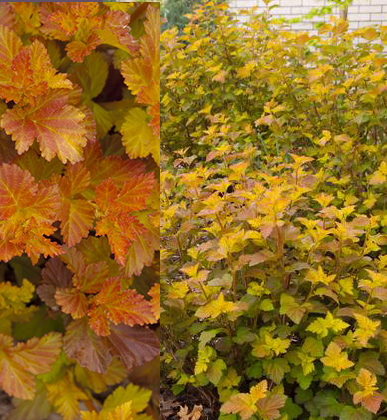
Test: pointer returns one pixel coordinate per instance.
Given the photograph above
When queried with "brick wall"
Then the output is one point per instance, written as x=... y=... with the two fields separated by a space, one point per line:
x=360 y=13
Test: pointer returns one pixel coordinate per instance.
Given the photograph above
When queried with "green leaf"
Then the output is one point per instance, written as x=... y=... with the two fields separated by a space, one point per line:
x=303 y=395
x=227 y=416
x=205 y=355
x=39 y=325
x=103 y=118
x=254 y=371
x=275 y=369
x=290 y=308
x=266 y=305
x=370 y=360
x=207 y=336
x=57 y=370
x=215 y=372
x=327 y=404
x=352 y=413
x=244 y=335
x=91 y=75
x=37 y=409
x=303 y=380
x=24 y=269
x=177 y=389
x=292 y=410
x=313 y=346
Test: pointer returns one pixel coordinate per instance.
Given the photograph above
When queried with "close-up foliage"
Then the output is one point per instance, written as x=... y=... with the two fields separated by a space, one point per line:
x=274 y=228
x=79 y=210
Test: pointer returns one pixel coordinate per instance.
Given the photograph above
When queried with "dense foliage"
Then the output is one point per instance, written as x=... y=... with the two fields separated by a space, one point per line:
x=274 y=230
x=79 y=155
x=175 y=11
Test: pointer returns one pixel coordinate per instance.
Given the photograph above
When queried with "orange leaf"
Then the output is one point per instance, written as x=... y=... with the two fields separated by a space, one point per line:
x=99 y=321
x=372 y=403
x=19 y=363
x=76 y=213
x=27 y=211
x=141 y=253
x=7 y=15
x=154 y=292
x=114 y=167
x=119 y=306
x=29 y=74
x=10 y=45
x=269 y=407
x=115 y=31
x=17 y=190
x=142 y=74
x=77 y=218
x=121 y=230
x=78 y=50
x=88 y=278
x=38 y=354
x=135 y=192
x=76 y=180
x=72 y=302
x=241 y=404
x=86 y=25
x=107 y=193
x=154 y=112
x=92 y=278
x=55 y=125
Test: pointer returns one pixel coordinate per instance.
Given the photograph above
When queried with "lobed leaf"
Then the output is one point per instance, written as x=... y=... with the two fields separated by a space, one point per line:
x=55 y=125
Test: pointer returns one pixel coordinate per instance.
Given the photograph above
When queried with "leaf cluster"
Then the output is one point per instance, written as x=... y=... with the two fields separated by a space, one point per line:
x=274 y=229
x=79 y=209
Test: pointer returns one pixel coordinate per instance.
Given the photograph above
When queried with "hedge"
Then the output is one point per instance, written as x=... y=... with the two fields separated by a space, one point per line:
x=274 y=278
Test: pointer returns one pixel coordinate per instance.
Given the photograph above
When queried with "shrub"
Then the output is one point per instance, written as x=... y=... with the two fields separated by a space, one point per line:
x=78 y=208
x=274 y=228
x=174 y=12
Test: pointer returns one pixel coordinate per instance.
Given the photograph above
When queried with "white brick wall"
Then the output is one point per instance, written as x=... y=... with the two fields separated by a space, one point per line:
x=361 y=12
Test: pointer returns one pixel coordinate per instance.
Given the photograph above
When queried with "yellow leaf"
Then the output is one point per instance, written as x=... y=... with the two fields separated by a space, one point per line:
x=245 y=404
x=190 y=269
x=241 y=404
x=259 y=391
x=367 y=380
x=64 y=395
x=368 y=396
x=366 y=330
x=335 y=358
x=178 y=290
x=270 y=346
x=318 y=276
x=138 y=137
x=378 y=178
x=122 y=412
x=216 y=307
